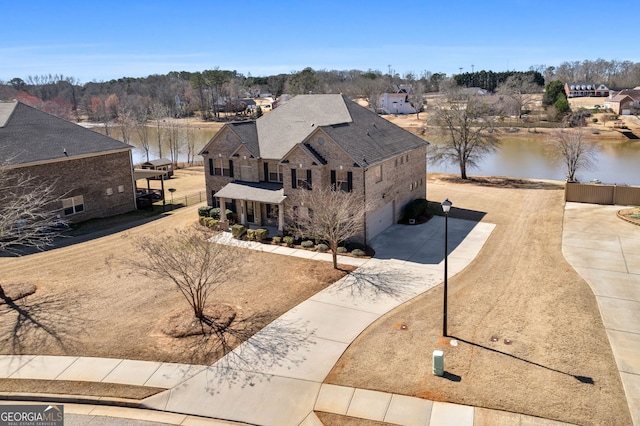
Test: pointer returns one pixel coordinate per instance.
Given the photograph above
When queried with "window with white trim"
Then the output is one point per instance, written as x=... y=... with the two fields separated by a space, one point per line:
x=275 y=172
x=222 y=167
x=73 y=205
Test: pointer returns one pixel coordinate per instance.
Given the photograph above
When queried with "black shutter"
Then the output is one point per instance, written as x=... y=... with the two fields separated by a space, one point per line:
x=230 y=168
x=294 y=180
x=266 y=172
x=349 y=181
x=211 y=166
x=309 y=179
x=333 y=180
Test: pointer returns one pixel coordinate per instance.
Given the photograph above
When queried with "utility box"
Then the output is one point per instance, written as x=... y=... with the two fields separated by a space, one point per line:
x=438 y=363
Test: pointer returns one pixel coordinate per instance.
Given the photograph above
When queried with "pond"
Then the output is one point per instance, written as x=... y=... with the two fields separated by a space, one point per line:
x=616 y=162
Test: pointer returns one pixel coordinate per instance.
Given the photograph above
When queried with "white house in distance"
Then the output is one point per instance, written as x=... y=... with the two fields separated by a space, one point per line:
x=396 y=102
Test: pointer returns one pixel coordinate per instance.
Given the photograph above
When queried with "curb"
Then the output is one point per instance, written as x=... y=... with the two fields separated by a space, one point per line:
x=71 y=399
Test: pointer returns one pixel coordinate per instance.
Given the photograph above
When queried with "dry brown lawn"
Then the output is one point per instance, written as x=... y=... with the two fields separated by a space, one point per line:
x=558 y=365
x=90 y=301
x=529 y=333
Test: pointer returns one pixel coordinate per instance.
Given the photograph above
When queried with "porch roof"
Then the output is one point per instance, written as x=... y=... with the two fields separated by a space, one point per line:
x=147 y=173
x=262 y=192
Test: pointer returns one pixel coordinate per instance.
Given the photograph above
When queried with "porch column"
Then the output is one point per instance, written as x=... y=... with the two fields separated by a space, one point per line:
x=281 y=218
x=243 y=212
x=224 y=222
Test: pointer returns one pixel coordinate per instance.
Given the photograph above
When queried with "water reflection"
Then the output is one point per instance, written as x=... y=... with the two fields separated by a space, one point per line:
x=197 y=135
x=617 y=162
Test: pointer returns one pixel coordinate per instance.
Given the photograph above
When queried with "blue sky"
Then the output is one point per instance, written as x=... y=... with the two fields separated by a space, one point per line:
x=110 y=39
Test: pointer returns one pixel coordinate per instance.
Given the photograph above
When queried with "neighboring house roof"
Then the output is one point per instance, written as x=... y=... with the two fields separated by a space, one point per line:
x=632 y=93
x=158 y=162
x=28 y=135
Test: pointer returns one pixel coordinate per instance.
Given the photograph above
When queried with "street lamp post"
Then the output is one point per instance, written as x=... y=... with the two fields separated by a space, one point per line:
x=446 y=206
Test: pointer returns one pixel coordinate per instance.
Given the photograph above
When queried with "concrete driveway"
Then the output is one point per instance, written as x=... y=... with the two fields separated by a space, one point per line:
x=605 y=251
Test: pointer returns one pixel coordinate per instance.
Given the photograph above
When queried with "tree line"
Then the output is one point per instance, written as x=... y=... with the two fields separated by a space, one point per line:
x=212 y=92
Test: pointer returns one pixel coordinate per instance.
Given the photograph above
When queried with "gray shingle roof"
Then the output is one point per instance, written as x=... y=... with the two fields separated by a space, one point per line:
x=370 y=139
x=367 y=137
x=30 y=135
x=246 y=131
x=291 y=123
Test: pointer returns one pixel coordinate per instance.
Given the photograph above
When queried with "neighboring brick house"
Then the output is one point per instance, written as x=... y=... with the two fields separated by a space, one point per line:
x=625 y=102
x=254 y=168
x=575 y=90
x=93 y=173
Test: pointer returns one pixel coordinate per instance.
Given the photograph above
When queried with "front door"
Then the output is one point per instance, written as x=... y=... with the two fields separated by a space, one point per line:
x=272 y=214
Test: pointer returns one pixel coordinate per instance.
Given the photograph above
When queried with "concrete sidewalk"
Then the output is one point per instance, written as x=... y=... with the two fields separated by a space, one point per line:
x=605 y=251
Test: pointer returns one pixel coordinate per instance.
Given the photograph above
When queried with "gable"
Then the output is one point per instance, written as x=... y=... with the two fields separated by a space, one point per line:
x=301 y=153
x=230 y=137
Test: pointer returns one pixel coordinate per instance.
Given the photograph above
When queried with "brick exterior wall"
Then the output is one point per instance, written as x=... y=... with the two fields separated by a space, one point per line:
x=403 y=176
x=93 y=178
x=402 y=181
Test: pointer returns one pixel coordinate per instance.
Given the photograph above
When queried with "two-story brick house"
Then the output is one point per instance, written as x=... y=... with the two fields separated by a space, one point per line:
x=255 y=168
x=93 y=173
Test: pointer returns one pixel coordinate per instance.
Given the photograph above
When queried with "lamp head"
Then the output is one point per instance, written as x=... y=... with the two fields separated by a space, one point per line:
x=446 y=206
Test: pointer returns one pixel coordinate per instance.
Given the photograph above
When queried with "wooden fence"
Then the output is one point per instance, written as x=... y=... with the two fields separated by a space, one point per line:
x=602 y=194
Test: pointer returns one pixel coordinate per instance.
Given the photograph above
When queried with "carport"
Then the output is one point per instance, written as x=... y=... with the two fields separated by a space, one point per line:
x=145 y=197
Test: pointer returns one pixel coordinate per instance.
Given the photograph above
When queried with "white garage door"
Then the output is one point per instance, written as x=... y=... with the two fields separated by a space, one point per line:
x=379 y=220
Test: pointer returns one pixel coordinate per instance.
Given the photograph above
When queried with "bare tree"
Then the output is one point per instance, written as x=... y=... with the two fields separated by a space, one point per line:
x=520 y=88
x=29 y=215
x=190 y=142
x=195 y=265
x=416 y=96
x=467 y=126
x=574 y=151
x=173 y=139
x=159 y=113
x=371 y=87
x=328 y=214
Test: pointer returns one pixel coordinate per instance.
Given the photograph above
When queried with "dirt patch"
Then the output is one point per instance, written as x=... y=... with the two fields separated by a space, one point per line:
x=529 y=334
x=338 y=420
x=66 y=387
x=182 y=323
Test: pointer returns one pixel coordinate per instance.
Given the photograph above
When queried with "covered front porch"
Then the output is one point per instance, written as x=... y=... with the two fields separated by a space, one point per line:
x=256 y=203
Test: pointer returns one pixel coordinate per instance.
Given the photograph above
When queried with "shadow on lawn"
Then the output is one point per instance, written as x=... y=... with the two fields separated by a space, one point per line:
x=30 y=323
x=581 y=379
